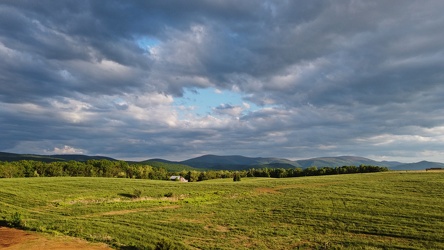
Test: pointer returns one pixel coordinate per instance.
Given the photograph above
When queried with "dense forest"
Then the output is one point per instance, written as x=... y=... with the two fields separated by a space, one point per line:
x=122 y=169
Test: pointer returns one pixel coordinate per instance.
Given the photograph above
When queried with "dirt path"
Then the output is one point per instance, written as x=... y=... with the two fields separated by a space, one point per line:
x=14 y=239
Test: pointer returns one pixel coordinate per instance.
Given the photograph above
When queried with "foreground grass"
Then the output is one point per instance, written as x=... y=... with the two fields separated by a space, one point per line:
x=394 y=210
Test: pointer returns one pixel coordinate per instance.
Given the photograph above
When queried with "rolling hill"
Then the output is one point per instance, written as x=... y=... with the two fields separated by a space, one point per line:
x=50 y=158
x=419 y=165
x=18 y=157
x=344 y=161
x=234 y=162
x=81 y=157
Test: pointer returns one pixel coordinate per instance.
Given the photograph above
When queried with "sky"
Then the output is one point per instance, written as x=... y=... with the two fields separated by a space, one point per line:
x=136 y=80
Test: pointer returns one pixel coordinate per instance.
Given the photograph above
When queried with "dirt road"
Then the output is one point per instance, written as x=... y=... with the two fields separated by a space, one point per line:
x=14 y=239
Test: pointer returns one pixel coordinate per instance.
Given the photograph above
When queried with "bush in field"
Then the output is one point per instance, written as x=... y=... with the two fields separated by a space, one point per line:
x=15 y=220
x=137 y=193
x=236 y=177
x=167 y=245
x=169 y=194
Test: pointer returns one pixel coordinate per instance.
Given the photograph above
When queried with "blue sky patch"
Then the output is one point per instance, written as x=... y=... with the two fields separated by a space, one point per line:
x=146 y=42
x=203 y=101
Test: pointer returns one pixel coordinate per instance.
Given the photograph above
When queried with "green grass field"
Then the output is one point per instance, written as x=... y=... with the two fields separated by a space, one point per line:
x=391 y=210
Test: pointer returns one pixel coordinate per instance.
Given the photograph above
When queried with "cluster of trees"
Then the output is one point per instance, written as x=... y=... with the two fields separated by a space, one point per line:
x=90 y=168
x=121 y=169
x=101 y=168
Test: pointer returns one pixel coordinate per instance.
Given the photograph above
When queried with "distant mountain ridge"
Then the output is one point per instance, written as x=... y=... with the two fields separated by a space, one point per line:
x=236 y=162
x=242 y=162
x=81 y=157
x=419 y=165
x=340 y=161
x=50 y=158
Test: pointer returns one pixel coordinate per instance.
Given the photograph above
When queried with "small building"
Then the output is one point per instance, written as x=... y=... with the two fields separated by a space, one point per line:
x=178 y=178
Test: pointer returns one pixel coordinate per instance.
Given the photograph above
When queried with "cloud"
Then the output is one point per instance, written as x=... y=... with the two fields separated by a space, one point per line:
x=66 y=150
x=316 y=78
x=227 y=109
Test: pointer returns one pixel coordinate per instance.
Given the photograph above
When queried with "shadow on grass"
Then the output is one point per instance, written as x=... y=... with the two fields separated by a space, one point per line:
x=129 y=248
x=9 y=224
x=127 y=195
x=4 y=223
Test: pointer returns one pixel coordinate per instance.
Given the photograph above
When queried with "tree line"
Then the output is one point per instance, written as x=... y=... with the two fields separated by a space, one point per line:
x=312 y=171
x=122 y=169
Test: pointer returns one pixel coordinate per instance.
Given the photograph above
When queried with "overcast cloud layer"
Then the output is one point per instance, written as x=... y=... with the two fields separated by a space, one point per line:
x=329 y=78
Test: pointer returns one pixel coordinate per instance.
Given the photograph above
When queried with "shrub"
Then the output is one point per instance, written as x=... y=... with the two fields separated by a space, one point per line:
x=16 y=220
x=169 y=194
x=137 y=193
x=236 y=177
x=166 y=245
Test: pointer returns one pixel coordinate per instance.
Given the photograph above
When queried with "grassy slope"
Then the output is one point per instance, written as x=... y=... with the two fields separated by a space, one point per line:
x=391 y=210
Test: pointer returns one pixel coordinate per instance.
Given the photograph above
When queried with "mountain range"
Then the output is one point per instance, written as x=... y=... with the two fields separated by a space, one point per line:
x=50 y=158
x=236 y=162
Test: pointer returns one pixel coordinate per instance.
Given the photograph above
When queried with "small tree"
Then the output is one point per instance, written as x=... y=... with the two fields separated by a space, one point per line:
x=192 y=176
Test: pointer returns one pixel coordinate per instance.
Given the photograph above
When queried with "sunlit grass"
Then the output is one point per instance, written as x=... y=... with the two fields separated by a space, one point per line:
x=394 y=210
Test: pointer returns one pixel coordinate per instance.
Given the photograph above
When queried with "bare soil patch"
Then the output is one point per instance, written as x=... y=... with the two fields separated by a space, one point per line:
x=14 y=239
x=266 y=190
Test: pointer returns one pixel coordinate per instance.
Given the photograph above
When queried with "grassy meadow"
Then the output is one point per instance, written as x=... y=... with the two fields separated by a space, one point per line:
x=390 y=210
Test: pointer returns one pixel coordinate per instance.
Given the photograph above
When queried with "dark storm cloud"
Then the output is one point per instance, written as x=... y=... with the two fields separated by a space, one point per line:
x=348 y=77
